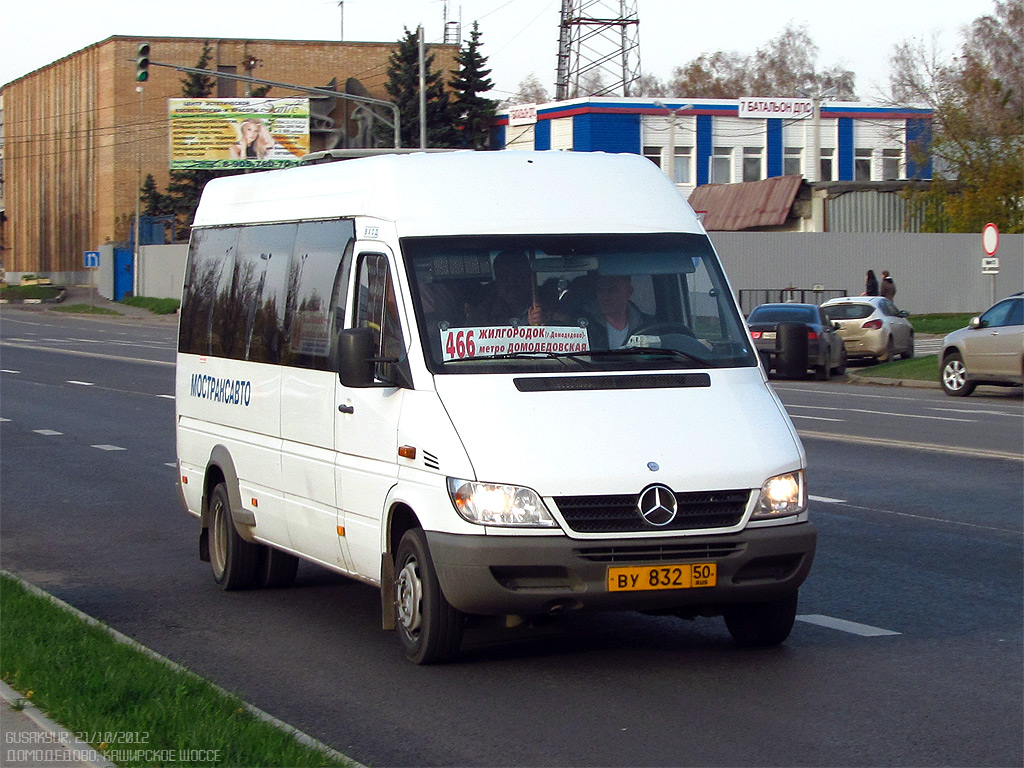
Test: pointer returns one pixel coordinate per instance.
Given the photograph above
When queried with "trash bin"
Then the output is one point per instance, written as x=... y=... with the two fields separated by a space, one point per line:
x=791 y=361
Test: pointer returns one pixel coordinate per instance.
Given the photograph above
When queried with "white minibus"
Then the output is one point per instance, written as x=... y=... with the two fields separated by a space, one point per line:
x=506 y=384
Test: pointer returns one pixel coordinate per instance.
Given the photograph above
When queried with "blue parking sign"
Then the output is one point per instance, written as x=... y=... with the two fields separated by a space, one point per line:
x=92 y=259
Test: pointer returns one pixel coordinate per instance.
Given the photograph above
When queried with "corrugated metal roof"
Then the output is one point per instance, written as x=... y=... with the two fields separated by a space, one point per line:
x=732 y=207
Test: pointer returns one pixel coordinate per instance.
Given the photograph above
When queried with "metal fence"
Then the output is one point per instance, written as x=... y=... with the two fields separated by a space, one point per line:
x=753 y=297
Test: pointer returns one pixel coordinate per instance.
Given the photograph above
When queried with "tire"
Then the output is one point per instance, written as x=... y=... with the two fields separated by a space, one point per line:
x=822 y=372
x=760 y=625
x=429 y=628
x=235 y=562
x=954 y=376
x=910 y=352
x=277 y=569
x=840 y=369
x=792 y=362
x=888 y=355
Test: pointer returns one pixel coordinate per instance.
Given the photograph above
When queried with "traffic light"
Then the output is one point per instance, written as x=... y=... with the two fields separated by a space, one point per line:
x=142 y=62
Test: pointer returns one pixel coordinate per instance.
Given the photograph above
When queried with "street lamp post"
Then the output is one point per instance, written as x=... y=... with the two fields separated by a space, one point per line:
x=816 y=98
x=670 y=164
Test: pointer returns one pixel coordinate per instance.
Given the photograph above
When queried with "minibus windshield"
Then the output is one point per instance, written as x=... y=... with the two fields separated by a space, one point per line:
x=515 y=303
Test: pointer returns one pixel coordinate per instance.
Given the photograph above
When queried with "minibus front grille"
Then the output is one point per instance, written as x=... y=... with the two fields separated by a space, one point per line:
x=660 y=553
x=697 y=510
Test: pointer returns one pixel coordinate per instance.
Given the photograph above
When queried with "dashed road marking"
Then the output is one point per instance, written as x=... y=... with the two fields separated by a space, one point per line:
x=169 y=397
x=81 y=383
x=47 y=432
x=109 y=447
x=864 y=630
x=8 y=370
x=826 y=499
x=812 y=418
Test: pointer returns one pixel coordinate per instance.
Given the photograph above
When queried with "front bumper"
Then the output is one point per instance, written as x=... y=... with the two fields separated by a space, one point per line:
x=530 y=575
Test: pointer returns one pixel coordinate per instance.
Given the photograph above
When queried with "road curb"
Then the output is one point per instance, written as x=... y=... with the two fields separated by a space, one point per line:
x=300 y=736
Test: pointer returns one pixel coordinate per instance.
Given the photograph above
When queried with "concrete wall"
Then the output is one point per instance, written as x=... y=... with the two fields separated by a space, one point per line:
x=933 y=272
x=161 y=270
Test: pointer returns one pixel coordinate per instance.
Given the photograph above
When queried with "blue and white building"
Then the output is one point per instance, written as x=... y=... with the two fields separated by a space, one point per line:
x=723 y=141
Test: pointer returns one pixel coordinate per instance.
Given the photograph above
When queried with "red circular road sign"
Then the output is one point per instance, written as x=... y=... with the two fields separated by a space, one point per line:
x=990 y=239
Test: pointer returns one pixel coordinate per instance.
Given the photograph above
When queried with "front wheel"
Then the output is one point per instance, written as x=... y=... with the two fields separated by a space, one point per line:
x=429 y=628
x=954 y=376
x=840 y=369
x=759 y=625
x=235 y=562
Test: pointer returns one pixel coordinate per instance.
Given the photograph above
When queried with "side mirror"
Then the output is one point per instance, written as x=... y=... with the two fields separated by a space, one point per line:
x=904 y=313
x=976 y=323
x=356 y=358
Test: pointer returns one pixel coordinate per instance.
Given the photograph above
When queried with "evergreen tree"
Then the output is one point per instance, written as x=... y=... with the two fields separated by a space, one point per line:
x=403 y=88
x=153 y=202
x=472 y=112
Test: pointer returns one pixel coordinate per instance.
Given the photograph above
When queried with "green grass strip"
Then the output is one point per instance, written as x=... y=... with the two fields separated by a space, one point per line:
x=92 y=684
x=22 y=292
x=940 y=325
x=156 y=306
x=923 y=368
x=84 y=309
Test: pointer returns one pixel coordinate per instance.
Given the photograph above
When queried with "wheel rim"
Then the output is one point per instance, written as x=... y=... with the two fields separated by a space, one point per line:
x=954 y=375
x=218 y=539
x=408 y=597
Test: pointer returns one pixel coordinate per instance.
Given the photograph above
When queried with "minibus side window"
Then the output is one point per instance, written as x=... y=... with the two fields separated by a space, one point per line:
x=377 y=309
x=211 y=253
x=319 y=247
x=254 y=317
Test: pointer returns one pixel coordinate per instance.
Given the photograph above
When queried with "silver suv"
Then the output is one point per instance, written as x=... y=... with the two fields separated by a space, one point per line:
x=989 y=351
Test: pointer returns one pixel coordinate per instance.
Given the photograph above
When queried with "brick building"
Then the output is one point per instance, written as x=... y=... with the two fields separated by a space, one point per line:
x=76 y=133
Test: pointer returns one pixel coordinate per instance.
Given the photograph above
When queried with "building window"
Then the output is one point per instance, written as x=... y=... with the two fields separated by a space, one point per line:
x=891 y=164
x=653 y=154
x=682 y=164
x=721 y=166
x=825 y=169
x=793 y=161
x=862 y=165
x=752 y=163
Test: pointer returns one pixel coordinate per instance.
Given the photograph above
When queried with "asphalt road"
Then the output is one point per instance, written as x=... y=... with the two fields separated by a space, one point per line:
x=908 y=652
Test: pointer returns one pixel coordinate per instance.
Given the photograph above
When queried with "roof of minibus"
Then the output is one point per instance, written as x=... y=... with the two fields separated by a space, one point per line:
x=462 y=193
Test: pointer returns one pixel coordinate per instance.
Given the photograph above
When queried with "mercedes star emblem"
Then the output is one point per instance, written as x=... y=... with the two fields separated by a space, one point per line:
x=657 y=505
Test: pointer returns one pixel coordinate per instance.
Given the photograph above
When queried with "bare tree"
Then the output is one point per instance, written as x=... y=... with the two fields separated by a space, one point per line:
x=529 y=91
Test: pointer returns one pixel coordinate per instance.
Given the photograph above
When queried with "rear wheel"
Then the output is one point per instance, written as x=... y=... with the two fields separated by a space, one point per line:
x=277 y=569
x=954 y=376
x=234 y=561
x=840 y=369
x=887 y=355
x=429 y=628
x=758 y=625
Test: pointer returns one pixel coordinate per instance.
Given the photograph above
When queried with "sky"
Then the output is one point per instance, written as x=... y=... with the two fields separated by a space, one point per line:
x=519 y=37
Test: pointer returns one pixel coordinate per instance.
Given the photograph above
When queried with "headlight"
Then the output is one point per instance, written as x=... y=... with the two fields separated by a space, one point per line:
x=492 y=504
x=781 y=496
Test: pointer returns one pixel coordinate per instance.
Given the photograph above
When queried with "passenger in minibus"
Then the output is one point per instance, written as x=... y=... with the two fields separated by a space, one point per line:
x=616 y=317
x=511 y=298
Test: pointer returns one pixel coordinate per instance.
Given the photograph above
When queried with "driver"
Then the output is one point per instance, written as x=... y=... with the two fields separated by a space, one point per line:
x=617 y=316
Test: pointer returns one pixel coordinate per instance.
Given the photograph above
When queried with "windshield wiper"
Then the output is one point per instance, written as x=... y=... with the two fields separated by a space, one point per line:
x=561 y=358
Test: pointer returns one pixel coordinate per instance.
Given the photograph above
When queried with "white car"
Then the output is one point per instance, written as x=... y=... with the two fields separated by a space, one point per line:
x=871 y=327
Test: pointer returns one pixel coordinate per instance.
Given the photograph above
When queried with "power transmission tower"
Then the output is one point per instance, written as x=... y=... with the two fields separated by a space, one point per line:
x=598 y=49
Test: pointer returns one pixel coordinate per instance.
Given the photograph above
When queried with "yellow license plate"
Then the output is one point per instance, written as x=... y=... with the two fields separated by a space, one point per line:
x=675 y=576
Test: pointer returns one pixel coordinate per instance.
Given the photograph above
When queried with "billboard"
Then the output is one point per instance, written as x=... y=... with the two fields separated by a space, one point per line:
x=208 y=134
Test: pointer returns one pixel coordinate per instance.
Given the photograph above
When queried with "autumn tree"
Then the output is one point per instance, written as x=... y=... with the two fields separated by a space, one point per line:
x=977 y=141
x=781 y=67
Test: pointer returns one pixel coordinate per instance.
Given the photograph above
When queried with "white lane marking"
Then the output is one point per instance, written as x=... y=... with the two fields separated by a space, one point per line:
x=911 y=415
x=972 y=410
x=878 y=441
x=169 y=397
x=81 y=383
x=864 y=630
x=825 y=499
x=813 y=418
x=171 y=464
x=8 y=370
x=109 y=447
x=47 y=432
x=3 y=419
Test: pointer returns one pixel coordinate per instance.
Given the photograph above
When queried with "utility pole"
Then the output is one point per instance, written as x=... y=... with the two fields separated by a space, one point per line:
x=423 y=88
x=138 y=198
x=816 y=99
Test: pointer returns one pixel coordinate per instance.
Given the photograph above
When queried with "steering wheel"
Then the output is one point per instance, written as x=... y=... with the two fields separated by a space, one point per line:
x=656 y=329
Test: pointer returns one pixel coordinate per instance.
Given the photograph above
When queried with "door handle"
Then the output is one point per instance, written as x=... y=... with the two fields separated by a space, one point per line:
x=346 y=409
